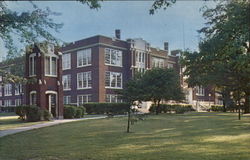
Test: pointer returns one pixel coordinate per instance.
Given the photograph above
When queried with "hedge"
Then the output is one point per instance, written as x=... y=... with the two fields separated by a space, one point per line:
x=32 y=113
x=107 y=108
x=168 y=108
x=71 y=111
x=8 y=109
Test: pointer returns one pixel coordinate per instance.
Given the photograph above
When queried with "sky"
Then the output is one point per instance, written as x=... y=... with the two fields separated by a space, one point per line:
x=177 y=24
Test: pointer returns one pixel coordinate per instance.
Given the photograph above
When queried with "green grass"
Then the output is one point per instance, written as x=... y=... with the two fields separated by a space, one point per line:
x=10 y=122
x=196 y=136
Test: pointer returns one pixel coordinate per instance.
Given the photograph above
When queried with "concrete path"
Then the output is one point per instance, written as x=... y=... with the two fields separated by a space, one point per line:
x=52 y=123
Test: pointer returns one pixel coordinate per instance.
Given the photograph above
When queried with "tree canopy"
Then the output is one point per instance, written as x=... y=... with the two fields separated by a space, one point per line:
x=224 y=56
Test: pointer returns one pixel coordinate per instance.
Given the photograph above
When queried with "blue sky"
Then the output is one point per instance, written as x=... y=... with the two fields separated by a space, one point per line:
x=178 y=24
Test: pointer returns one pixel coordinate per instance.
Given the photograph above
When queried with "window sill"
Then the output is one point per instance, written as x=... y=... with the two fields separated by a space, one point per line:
x=84 y=66
x=67 y=89
x=8 y=95
x=64 y=69
x=112 y=65
x=32 y=75
x=113 y=88
x=47 y=75
x=84 y=88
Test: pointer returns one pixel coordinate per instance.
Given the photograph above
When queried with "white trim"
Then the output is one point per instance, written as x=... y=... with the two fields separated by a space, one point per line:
x=84 y=66
x=93 y=45
x=50 y=92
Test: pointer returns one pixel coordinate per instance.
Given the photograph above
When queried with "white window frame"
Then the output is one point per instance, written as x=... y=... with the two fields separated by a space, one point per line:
x=200 y=91
x=85 y=53
x=50 y=74
x=109 y=97
x=88 y=98
x=18 y=102
x=7 y=103
x=8 y=89
x=18 y=89
x=32 y=65
x=170 y=65
x=157 y=62
x=88 y=78
x=110 y=81
x=67 y=99
x=66 y=61
x=68 y=83
x=108 y=54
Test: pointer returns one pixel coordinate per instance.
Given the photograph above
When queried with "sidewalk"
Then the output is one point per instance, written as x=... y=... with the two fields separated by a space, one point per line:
x=55 y=122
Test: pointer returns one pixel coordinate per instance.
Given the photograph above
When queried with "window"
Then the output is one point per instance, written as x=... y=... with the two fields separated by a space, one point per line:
x=1 y=90
x=7 y=90
x=18 y=89
x=170 y=65
x=84 y=57
x=7 y=103
x=1 y=103
x=66 y=61
x=113 y=80
x=84 y=80
x=18 y=102
x=66 y=99
x=113 y=57
x=32 y=65
x=66 y=82
x=33 y=98
x=157 y=62
x=200 y=91
x=113 y=98
x=50 y=66
x=84 y=99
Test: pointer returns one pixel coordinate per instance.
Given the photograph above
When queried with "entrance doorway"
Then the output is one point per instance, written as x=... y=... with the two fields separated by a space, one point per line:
x=52 y=103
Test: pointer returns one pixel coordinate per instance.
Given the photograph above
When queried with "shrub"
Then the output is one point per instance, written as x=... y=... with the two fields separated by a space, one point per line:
x=8 y=109
x=32 y=113
x=83 y=110
x=21 y=112
x=106 y=108
x=46 y=115
x=69 y=111
x=168 y=108
x=78 y=113
x=217 y=108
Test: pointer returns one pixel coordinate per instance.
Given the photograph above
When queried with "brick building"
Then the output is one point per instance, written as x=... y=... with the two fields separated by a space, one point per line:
x=93 y=69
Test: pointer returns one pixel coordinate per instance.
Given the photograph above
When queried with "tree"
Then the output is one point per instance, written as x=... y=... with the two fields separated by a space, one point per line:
x=27 y=28
x=131 y=93
x=161 y=84
x=224 y=57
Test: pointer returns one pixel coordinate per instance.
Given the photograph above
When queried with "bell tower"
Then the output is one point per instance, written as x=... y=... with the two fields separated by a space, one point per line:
x=43 y=70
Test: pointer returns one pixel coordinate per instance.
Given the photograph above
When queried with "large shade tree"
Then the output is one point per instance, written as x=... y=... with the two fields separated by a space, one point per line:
x=161 y=84
x=224 y=56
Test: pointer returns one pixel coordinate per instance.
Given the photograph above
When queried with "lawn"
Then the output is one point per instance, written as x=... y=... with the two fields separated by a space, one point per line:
x=10 y=121
x=193 y=136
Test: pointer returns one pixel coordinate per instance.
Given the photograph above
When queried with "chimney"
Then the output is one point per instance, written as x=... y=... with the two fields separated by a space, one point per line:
x=118 y=33
x=166 y=46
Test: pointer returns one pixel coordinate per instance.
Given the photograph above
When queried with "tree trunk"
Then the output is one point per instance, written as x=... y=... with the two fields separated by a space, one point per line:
x=158 y=107
x=128 y=127
x=247 y=102
x=239 y=110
